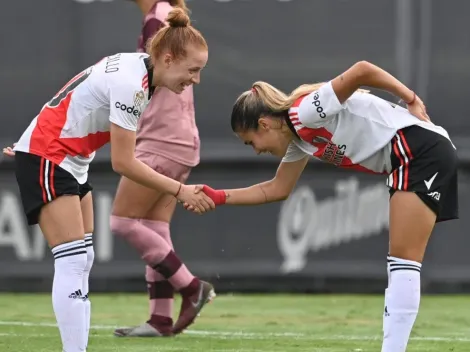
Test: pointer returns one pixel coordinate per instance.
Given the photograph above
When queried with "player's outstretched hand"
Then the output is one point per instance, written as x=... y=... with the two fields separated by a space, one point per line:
x=217 y=196
x=193 y=200
x=8 y=151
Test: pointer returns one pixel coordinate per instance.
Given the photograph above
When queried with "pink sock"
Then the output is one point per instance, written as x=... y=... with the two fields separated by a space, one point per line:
x=159 y=289
x=155 y=251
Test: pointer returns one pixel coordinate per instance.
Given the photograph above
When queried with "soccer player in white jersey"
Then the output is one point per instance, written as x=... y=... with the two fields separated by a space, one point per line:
x=339 y=124
x=102 y=104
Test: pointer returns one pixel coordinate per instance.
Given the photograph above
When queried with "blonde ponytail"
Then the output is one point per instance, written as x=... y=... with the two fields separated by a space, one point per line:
x=266 y=100
x=277 y=100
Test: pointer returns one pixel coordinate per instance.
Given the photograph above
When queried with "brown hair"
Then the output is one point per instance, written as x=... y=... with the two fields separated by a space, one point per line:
x=265 y=100
x=176 y=36
x=179 y=3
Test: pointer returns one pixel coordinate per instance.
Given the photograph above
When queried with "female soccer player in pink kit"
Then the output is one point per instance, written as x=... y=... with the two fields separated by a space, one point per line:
x=336 y=123
x=168 y=142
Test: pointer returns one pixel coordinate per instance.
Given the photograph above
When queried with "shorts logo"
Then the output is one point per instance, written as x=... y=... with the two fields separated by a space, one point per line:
x=435 y=195
x=130 y=109
x=429 y=182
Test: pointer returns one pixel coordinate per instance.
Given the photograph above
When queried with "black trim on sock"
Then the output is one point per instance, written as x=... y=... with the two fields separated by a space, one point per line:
x=70 y=254
x=401 y=268
x=75 y=249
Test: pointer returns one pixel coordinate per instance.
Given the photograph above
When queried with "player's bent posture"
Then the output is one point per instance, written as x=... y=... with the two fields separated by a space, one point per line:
x=168 y=142
x=337 y=123
x=101 y=104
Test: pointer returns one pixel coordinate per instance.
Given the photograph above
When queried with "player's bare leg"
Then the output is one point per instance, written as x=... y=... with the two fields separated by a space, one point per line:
x=62 y=225
x=411 y=224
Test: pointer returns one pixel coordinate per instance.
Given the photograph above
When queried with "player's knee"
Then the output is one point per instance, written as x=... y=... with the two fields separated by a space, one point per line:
x=60 y=221
x=124 y=211
x=403 y=293
x=122 y=226
x=151 y=274
x=90 y=258
x=409 y=247
x=70 y=258
x=404 y=251
x=80 y=263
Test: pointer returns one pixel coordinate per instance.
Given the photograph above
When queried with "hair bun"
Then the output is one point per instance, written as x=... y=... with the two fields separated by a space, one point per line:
x=178 y=18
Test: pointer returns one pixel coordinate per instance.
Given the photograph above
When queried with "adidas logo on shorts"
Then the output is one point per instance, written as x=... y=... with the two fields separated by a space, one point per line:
x=76 y=294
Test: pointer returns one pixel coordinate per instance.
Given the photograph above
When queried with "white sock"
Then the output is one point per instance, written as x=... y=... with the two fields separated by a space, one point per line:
x=90 y=253
x=402 y=303
x=67 y=298
x=385 y=320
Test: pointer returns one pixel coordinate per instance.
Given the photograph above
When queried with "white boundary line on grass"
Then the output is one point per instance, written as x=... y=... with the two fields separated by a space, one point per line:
x=240 y=334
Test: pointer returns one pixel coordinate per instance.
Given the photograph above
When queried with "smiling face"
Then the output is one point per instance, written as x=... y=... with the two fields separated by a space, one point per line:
x=177 y=74
x=271 y=136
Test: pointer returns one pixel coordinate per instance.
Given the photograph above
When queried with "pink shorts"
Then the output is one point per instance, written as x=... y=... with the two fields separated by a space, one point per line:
x=164 y=166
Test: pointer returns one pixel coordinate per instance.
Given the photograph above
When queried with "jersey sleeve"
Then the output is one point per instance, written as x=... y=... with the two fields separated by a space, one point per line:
x=316 y=107
x=294 y=153
x=125 y=105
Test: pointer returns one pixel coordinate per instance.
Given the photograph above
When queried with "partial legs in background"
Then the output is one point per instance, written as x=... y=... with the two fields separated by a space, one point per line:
x=141 y=216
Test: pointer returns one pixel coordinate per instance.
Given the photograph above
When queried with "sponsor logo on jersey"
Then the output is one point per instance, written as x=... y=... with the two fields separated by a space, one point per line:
x=334 y=153
x=129 y=109
x=317 y=103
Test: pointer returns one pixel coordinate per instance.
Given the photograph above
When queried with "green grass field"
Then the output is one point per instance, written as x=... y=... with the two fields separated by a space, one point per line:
x=244 y=323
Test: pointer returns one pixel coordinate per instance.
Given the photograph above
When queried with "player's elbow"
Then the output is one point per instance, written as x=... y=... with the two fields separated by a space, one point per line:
x=279 y=192
x=119 y=165
x=284 y=194
x=362 y=63
x=362 y=70
x=282 y=197
x=362 y=66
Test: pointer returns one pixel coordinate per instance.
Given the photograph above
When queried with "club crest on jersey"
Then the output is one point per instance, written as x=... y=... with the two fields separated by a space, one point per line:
x=139 y=100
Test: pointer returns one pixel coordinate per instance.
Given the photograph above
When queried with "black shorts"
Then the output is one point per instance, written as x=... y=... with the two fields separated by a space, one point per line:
x=424 y=162
x=41 y=181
